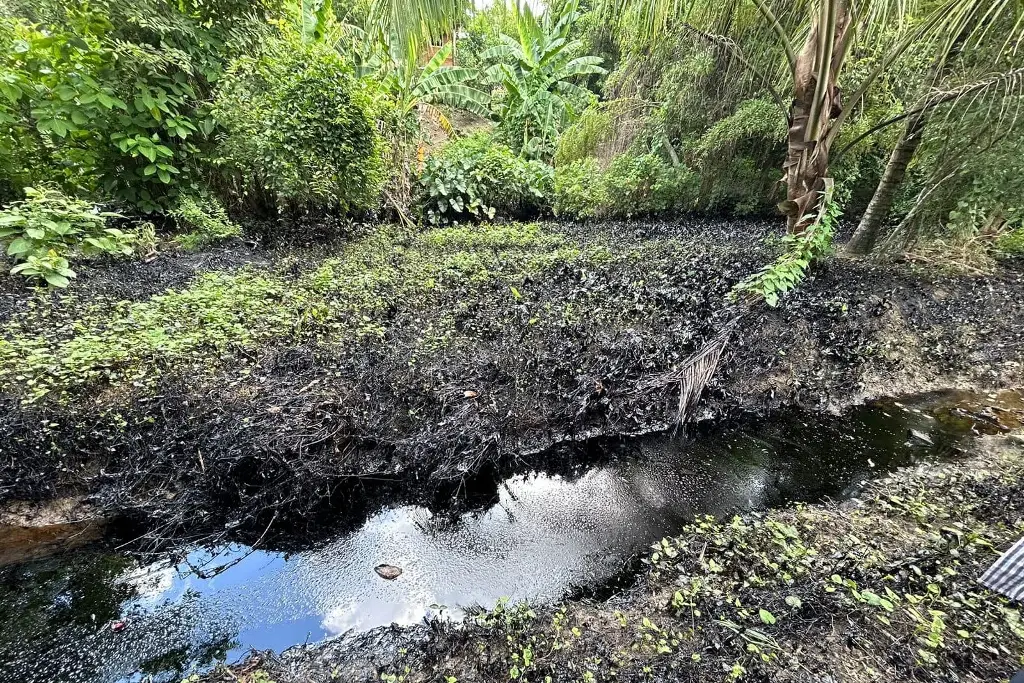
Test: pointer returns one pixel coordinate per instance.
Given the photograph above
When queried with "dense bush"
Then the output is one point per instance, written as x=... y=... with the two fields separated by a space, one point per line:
x=582 y=138
x=646 y=184
x=299 y=131
x=43 y=231
x=580 y=190
x=474 y=178
x=989 y=194
x=633 y=185
x=108 y=100
x=738 y=158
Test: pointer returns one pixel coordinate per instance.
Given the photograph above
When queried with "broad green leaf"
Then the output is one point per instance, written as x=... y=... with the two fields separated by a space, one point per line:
x=56 y=279
x=19 y=246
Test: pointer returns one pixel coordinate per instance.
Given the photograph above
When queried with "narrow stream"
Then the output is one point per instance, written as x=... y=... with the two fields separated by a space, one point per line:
x=95 y=615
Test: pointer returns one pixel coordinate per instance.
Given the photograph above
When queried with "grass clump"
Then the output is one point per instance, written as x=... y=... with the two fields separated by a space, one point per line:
x=203 y=222
x=1011 y=243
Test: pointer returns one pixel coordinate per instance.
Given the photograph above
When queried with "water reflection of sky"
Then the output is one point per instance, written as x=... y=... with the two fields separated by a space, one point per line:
x=545 y=535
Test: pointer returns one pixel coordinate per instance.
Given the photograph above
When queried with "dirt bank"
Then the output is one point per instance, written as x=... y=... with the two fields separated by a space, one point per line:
x=402 y=364
x=882 y=588
x=32 y=530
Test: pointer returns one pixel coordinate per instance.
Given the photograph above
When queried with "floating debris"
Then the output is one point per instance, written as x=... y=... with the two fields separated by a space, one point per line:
x=387 y=571
x=921 y=436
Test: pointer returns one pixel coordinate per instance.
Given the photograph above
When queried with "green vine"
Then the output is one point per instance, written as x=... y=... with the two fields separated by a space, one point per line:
x=802 y=249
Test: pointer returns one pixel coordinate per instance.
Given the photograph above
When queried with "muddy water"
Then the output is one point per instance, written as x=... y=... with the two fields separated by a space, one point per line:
x=95 y=615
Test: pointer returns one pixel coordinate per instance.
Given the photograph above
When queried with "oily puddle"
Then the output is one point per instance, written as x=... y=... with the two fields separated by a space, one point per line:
x=92 y=614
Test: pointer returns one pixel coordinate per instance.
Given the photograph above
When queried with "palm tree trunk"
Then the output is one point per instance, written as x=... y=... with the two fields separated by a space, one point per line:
x=816 y=101
x=864 y=238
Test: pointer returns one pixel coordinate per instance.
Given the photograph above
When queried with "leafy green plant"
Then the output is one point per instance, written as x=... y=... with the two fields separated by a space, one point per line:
x=49 y=266
x=413 y=91
x=579 y=190
x=536 y=70
x=474 y=179
x=41 y=231
x=203 y=221
x=801 y=250
x=48 y=91
x=298 y=127
x=432 y=83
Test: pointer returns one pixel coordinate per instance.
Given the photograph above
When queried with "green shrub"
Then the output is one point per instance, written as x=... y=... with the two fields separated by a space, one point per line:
x=203 y=221
x=582 y=138
x=633 y=185
x=40 y=232
x=580 y=190
x=474 y=179
x=298 y=127
x=109 y=101
x=646 y=184
x=1011 y=243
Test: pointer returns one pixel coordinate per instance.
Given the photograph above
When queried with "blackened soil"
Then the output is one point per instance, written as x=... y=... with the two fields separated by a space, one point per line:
x=132 y=280
x=315 y=429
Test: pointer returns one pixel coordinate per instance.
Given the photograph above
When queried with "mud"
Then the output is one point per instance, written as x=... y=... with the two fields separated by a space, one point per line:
x=30 y=531
x=312 y=429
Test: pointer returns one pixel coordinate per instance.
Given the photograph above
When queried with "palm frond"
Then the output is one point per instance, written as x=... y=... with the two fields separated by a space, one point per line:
x=419 y=20
x=1006 y=88
x=441 y=119
x=953 y=23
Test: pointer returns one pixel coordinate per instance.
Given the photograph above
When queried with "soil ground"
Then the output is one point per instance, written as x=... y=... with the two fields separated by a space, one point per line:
x=265 y=387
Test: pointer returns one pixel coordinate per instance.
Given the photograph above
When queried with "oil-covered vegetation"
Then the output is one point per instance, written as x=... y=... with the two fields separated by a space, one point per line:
x=286 y=383
x=265 y=260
